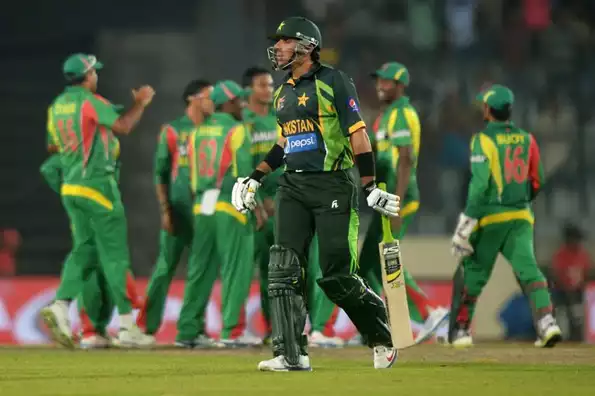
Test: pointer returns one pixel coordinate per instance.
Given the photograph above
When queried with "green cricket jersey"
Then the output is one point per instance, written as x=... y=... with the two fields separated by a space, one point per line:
x=264 y=133
x=79 y=123
x=171 y=160
x=506 y=174
x=219 y=154
x=398 y=127
x=317 y=113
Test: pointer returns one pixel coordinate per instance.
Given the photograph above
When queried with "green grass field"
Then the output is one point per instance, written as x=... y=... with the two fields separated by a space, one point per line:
x=486 y=369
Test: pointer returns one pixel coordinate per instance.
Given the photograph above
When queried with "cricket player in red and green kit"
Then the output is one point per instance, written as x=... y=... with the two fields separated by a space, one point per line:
x=223 y=243
x=261 y=123
x=172 y=181
x=84 y=124
x=398 y=141
x=506 y=176
x=97 y=313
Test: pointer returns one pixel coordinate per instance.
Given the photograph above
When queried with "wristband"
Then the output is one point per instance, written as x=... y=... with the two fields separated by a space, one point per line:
x=257 y=175
x=369 y=187
x=365 y=164
x=274 y=157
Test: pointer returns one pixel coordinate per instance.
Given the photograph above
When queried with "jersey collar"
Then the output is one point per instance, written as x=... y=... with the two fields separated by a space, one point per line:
x=402 y=101
x=291 y=81
x=76 y=88
x=500 y=124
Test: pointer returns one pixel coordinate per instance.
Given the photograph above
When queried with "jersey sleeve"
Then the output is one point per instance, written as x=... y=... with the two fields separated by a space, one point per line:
x=103 y=111
x=398 y=128
x=347 y=104
x=52 y=134
x=163 y=155
x=536 y=173
x=480 y=176
x=51 y=170
x=192 y=165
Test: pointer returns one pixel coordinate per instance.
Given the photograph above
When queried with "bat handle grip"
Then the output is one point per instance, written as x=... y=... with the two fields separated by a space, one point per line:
x=386 y=229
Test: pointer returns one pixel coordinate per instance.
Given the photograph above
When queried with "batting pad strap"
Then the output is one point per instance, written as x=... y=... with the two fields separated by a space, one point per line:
x=365 y=164
x=275 y=157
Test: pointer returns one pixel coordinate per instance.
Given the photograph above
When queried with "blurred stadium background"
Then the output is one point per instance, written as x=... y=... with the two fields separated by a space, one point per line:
x=543 y=49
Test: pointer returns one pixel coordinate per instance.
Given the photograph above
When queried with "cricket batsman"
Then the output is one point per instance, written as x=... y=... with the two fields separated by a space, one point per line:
x=323 y=137
x=95 y=293
x=83 y=123
x=172 y=183
x=398 y=141
x=261 y=123
x=224 y=239
x=506 y=176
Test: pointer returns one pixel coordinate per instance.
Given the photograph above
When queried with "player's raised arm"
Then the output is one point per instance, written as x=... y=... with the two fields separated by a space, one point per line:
x=535 y=171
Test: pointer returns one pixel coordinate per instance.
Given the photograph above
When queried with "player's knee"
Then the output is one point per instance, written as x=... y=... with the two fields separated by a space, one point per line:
x=530 y=276
x=285 y=271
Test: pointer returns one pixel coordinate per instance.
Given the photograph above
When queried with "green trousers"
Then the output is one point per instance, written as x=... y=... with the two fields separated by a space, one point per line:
x=514 y=240
x=320 y=307
x=223 y=244
x=370 y=263
x=171 y=248
x=100 y=240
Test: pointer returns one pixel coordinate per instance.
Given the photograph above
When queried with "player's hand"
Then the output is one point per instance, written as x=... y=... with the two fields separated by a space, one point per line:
x=261 y=217
x=143 y=95
x=243 y=195
x=383 y=202
x=269 y=206
x=461 y=247
x=166 y=221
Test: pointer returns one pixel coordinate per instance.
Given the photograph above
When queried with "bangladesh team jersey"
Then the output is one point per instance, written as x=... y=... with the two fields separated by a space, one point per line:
x=79 y=124
x=398 y=127
x=264 y=133
x=506 y=172
x=219 y=154
x=171 y=159
x=317 y=114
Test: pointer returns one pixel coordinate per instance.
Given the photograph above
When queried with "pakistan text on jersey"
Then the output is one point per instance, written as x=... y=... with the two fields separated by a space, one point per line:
x=297 y=126
x=513 y=138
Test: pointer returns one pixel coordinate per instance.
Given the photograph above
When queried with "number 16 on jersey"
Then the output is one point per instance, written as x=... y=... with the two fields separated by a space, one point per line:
x=393 y=283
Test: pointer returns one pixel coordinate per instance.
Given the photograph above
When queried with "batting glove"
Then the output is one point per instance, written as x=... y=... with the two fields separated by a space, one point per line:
x=385 y=203
x=461 y=247
x=243 y=195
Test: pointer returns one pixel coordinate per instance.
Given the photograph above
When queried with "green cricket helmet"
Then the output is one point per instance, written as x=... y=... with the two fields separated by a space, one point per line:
x=303 y=30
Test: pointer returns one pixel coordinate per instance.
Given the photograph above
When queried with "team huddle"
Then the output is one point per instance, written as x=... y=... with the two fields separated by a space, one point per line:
x=251 y=176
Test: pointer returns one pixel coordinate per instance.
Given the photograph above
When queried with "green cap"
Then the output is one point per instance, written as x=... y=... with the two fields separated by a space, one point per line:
x=393 y=71
x=497 y=96
x=78 y=65
x=227 y=90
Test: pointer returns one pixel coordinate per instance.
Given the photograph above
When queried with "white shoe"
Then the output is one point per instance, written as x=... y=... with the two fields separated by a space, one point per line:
x=549 y=332
x=94 y=341
x=205 y=342
x=280 y=364
x=242 y=341
x=319 y=340
x=56 y=319
x=462 y=339
x=432 y=323
x=384 y=357
x=134 y=338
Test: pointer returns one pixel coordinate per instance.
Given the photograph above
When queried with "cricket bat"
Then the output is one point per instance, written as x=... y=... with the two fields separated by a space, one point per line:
x=393 y=283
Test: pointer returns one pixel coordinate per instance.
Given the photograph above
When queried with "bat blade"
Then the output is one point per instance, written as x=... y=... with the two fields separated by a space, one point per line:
x=393 y=283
